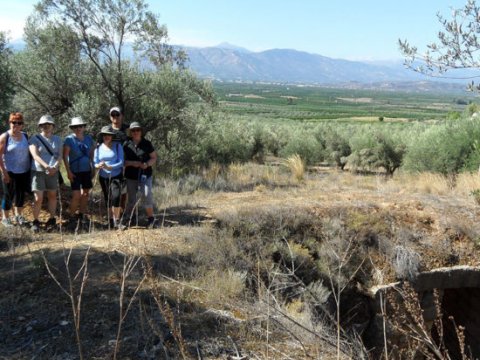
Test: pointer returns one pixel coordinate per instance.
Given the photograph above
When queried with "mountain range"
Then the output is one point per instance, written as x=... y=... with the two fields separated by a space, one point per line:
x=226 y=62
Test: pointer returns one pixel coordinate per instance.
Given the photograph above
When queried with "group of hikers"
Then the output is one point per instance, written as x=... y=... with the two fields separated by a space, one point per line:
x=120 y=154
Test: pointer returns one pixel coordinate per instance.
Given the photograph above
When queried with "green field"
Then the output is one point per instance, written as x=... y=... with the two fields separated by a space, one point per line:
x=320 y=104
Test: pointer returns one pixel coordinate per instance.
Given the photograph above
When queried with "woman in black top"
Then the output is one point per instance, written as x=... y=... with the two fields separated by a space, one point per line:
x=140 y=156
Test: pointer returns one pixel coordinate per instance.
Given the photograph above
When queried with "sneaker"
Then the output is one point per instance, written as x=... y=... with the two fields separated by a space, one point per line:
x=119 y=226
x=151 y=223
x=7 y=222
x=20 y=220
x=35 y=226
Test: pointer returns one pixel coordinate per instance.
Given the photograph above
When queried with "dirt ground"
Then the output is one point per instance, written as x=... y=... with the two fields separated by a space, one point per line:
x=36 y=304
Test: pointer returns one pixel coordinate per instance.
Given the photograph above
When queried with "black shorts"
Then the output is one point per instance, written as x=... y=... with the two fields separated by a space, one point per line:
x=82 y=180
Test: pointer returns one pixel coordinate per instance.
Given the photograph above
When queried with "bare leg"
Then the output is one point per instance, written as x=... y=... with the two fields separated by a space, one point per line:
x=84 y=201
x=74 y=202
x=52 y=202
x=37 y=204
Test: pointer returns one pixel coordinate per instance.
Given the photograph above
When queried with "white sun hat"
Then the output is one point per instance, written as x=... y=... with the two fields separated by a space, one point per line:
x=46 y=119
x=77 y=121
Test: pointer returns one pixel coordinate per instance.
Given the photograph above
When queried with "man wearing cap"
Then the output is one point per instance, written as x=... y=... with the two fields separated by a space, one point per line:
x=117 y=126
x=140 y=156
x=46 y=149
x=77 y=155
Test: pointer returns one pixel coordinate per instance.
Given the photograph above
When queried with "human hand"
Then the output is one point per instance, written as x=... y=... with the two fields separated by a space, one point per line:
x=6 y=177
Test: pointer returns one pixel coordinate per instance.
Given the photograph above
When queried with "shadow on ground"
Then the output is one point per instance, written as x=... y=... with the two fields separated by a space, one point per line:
x=36 y=313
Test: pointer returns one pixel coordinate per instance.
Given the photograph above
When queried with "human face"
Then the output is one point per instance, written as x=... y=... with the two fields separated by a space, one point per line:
x=116 y=118
x=16 y=125
x=107 y=139
x=47 y=128
x=136 y=133
x=78 y=129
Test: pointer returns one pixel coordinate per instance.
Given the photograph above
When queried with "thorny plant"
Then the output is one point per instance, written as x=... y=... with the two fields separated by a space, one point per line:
x=75 y=296
x=130 y=263
x=167 y=313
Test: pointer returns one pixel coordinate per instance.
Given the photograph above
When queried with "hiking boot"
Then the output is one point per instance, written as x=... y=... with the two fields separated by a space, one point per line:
x=7 y=222
x=151 y=223
x=35 y=226
x=20 y=220
x=52 y=222
x=84 y=220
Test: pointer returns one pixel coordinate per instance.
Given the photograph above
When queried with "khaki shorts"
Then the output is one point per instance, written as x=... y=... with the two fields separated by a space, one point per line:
x=41 y=181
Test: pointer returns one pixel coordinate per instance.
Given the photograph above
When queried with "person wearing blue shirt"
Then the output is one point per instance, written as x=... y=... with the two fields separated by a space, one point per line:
x=77 y=154
x=108 y=159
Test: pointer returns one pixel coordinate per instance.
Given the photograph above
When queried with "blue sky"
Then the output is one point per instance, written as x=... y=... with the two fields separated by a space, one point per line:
x=348 y=29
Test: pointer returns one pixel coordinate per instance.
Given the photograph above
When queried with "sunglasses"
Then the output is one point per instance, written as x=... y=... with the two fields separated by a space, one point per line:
x=16 y=122
x=77 y=126
x=115 y=114
x=135 y=130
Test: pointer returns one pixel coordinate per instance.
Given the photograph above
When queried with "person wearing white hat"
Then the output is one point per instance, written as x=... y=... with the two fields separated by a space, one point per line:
x=77 y=156
x=46 y=149
x=108 y=158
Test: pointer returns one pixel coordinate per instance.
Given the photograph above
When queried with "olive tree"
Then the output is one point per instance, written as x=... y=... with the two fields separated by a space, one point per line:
x=50 y=71
x=457 y=47
x=84 y=56
x=6 y=76
x=104 y=29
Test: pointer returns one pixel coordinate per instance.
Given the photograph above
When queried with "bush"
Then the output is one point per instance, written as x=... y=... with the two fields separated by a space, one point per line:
x=446 y=148
x=305 y=145
x=374 y=151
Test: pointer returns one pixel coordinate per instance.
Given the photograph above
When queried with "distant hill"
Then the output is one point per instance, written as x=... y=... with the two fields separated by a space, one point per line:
x=285 y=65
x=227 y=62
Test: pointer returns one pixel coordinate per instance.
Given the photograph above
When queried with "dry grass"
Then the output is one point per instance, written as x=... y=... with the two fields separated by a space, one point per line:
x=220 y=251
x=296 y=166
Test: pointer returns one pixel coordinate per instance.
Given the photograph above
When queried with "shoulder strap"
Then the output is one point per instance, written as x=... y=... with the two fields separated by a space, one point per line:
x=50 y=151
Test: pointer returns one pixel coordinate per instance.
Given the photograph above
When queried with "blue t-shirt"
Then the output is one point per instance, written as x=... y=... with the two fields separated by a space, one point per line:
x=79 y=155
x=16 y=156
x=112 y=157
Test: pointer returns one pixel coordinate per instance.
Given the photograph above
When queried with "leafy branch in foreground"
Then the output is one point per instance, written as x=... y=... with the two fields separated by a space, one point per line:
x=457 y=46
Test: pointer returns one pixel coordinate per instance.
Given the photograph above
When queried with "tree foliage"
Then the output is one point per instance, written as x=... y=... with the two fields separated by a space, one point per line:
x=6 y=76
x=457 y=47
x=84 y=56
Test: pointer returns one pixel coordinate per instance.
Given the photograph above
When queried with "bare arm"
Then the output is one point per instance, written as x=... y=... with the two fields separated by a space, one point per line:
x=36 y=156
x=3 y=170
